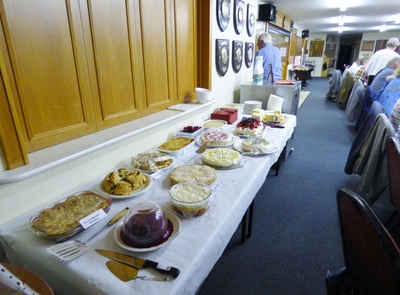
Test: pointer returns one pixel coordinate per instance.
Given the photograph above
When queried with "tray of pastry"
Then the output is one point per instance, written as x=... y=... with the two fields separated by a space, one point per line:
x=61 y=220
x=177 y=145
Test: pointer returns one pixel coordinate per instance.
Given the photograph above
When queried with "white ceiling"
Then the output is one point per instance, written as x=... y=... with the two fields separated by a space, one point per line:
x=322 y=16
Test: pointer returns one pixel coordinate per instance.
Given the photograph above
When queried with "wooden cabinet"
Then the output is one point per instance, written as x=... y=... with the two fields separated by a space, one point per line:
x=48 y=71
x=75 y=67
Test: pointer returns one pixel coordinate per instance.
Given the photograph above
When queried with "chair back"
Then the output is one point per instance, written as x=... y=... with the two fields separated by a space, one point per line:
x=393 y=158
x=371 y=255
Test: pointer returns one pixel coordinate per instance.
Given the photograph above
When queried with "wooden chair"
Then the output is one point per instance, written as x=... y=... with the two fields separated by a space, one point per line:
x=34 y=281
x=393 y=158
x=371 y=256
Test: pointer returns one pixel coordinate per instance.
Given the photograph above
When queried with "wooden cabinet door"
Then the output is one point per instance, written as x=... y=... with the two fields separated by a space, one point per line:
x=49 y=71
x=75 y=67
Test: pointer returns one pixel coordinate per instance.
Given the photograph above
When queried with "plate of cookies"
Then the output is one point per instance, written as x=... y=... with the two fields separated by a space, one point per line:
x=125 y=183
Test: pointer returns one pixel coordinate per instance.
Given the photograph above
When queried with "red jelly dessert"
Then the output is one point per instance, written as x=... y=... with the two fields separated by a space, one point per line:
x=145 y=226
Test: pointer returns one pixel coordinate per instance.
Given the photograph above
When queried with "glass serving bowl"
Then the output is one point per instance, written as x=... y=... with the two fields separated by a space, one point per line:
x=190 y=199
x=60 y=220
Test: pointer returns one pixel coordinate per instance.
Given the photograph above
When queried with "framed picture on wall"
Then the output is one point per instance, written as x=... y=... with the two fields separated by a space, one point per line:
x=367 y=45
x=316 y=48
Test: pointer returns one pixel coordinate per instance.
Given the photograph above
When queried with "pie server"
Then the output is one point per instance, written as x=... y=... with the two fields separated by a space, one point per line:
x=126 y=272
x=139 y=262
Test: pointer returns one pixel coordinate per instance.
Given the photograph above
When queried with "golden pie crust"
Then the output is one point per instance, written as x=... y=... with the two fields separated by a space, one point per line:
x=193 y=172
x=62 y=219
x=176 y=143
x=123 y=181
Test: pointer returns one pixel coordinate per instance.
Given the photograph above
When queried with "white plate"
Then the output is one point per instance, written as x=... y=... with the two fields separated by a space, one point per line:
x=144 y=188
x=194 y=134
x=161 y=169
x=198 y=160
x=176 y=228
x=271 y=148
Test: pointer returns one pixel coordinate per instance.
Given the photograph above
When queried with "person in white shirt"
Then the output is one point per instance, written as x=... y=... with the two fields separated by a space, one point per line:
x=381 y=58
x=356 y=64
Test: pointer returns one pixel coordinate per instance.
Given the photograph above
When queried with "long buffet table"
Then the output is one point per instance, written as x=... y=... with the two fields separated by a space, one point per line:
x=194 y=251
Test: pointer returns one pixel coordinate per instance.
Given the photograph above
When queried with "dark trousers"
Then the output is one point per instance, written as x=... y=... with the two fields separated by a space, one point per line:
x=370 y=79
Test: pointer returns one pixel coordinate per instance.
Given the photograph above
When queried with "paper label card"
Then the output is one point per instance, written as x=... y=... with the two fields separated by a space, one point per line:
x=93 y=218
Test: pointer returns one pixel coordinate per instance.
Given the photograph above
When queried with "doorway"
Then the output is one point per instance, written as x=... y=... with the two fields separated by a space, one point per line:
x=344 y=56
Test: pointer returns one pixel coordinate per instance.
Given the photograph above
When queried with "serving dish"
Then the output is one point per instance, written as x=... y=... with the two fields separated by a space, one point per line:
x=175 y=152
x=190 y=199
x=191 y=134
x=141 y=190
x=154 y=161
x=176 y=228
x=61 y=220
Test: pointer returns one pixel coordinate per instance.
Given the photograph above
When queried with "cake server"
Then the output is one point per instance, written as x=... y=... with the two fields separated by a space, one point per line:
x=200 y=150
x=73 y=249
x=139 y=262
x=126 y=273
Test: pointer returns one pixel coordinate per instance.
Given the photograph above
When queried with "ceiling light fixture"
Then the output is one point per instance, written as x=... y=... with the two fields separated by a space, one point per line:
x=341 y=20
x=384 y=28
x=343 y=8
x=340 y=29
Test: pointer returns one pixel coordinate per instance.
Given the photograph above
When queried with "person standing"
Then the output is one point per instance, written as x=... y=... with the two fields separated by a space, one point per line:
x=271 y=56
x=381 y=58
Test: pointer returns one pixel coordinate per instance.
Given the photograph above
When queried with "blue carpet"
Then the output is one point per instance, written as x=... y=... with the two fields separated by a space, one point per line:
x=296 y=235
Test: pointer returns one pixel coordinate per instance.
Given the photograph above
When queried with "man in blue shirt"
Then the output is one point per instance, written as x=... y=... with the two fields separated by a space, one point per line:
x=380 y=79
x=271 y=55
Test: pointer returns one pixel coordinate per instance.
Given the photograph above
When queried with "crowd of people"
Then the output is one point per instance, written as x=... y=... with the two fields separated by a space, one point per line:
x=381 y=74
x=372 y=99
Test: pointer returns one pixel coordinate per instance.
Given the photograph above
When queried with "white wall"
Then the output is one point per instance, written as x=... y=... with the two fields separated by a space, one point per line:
x=24 y=196
x=318 y=60
x=226 y=88
x=377 y=36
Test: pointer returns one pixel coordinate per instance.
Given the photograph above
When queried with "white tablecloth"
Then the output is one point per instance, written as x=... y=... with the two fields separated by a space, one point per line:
x=194 y=251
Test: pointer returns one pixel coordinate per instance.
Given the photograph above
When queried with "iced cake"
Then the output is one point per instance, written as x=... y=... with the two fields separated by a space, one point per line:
x=249 y=127
x=216 y=137
x=221 y=157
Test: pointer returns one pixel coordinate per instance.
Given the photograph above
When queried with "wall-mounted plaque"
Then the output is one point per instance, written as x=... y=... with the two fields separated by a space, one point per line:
x=251 y=19
x=237 y=55
x=223 y=13
x=239 y=16
x=248 y=54
x=222 y=56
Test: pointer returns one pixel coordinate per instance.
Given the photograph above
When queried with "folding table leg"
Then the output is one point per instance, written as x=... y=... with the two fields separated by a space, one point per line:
x=247 y=228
